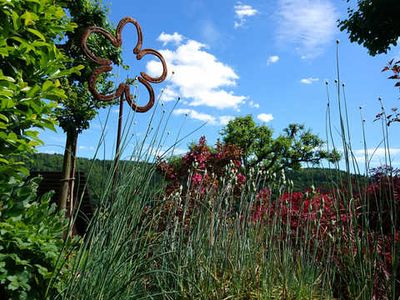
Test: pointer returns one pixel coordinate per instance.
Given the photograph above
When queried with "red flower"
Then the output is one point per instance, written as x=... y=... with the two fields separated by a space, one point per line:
x=241 y=178
x=197 y=178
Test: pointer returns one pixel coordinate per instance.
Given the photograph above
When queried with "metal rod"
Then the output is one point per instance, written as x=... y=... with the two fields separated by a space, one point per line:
x=119 y=132
x=118 y=144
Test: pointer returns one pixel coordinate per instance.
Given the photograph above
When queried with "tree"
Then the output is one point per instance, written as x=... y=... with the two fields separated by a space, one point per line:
x=30 y=71
x=80 y=107
x=375 y=24
x=31 y=68
x=289 y=150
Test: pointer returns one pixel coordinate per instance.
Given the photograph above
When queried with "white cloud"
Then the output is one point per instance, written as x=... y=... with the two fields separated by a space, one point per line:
x=272 y=59
x=378 y=152
x=253 y=104
x=86 y=148
x=162 y=151
x=199 y=77
x=168 y=94
x=309 y=80
x=224 y=120
x=308 y=25
x=265 y=117
x=51 y=150
x=242 y=12
x=166 y=38
x=376 y=156
x=212 y=120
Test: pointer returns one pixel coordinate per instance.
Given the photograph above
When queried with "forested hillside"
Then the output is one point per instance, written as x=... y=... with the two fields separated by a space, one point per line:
x=97 y=171
x=303 y=179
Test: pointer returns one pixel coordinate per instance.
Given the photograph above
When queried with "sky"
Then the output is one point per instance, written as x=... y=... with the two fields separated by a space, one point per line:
x=275 y=60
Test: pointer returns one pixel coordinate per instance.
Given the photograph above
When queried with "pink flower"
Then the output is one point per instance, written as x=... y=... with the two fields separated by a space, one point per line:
x=197 y=178
x=241 y=178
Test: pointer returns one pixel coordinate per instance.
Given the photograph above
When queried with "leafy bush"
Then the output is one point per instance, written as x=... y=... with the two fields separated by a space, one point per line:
x=30 y=68
x=31 y=239
x=201 y=172
x=207 y=166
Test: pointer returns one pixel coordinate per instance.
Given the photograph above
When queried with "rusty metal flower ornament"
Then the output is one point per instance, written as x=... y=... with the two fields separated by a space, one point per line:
x=105 y=65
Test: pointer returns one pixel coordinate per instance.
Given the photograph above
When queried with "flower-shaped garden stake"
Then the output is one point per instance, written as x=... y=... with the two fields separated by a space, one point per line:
x=105 y=65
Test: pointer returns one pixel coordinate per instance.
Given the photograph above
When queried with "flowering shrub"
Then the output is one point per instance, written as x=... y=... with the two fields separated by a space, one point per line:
x=299 y=210
x=205 y=166
x=353 y=232
x=383 y=199
x=196 y=177
x=356 y=238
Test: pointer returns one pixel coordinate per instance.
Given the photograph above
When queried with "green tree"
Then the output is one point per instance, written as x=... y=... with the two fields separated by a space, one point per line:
x=31 y=68
x=375 y=24
x=80 y=107
x=287 y=151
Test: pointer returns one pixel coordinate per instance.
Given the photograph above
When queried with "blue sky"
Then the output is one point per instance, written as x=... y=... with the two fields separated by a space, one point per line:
x=270 y=59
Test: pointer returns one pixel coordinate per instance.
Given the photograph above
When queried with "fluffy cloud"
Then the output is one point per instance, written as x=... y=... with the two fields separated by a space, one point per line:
x=224 y=120
x=166 y=38
x=212 y=120
x=242 y=12
x=265 y=117
x=308 y=25
x=198 y=77
x=309 y=80
x=272 y=59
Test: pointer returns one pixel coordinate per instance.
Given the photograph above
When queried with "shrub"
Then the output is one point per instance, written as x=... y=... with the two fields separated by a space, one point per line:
x=206 y=167
x=31 y=240
x=383 y=199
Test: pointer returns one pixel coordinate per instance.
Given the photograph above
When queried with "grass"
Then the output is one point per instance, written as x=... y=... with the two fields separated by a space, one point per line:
x=196 y=244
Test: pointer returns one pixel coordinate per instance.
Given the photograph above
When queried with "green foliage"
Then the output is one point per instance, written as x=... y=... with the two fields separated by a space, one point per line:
x=76 y=111
x=295 y=146
x=375 y=24
x=95 y=170
x=30 y=241
x=322 y=179
x=30 y=68
x=244 y=132
x=79 y=108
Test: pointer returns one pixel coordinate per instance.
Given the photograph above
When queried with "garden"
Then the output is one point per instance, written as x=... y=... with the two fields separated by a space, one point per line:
x=238 y=218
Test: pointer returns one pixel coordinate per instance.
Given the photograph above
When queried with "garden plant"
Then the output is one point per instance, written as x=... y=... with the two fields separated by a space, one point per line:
x=221 y=221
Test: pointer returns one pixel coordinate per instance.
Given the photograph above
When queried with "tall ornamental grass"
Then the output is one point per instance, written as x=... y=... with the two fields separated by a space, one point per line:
x=240 y=234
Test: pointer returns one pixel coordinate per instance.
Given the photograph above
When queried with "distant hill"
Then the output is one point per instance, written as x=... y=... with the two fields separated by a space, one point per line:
x=303 y=179
x=97 y=171
x=321 y=178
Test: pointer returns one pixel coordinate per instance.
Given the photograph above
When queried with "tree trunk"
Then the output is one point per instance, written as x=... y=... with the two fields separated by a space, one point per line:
x=68 y=174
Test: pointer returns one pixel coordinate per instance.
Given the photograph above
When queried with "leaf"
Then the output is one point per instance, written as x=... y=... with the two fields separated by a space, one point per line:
x=16 y=21
x=4 y=118
x=47 y=85
x=7 y=103
x=37 y=33
x=6 y=78
x=43 y=271
x=29 y=18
